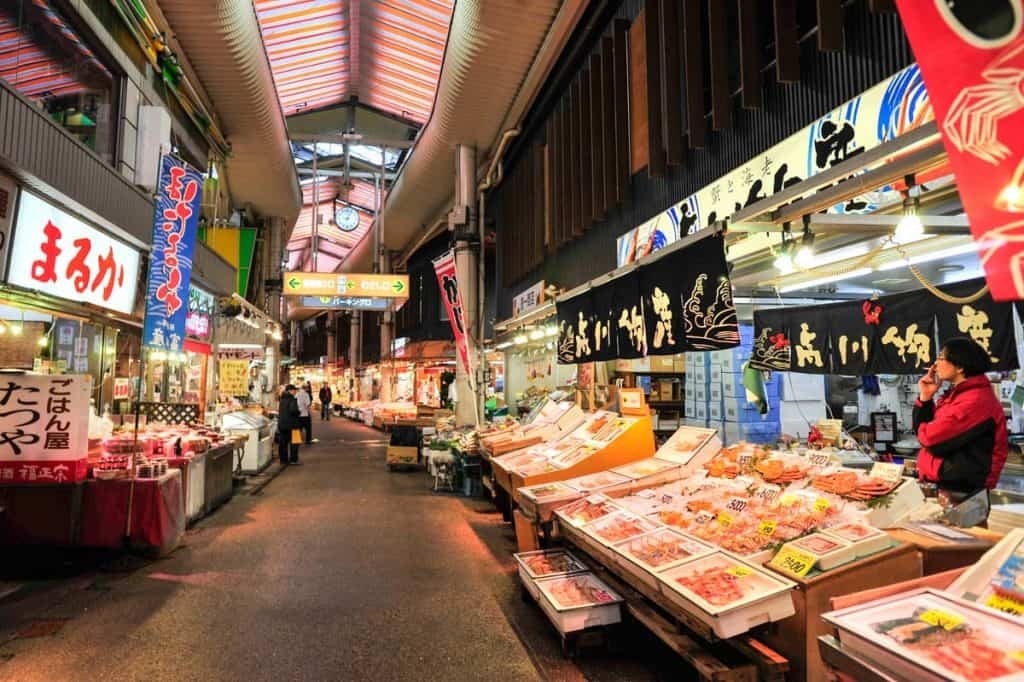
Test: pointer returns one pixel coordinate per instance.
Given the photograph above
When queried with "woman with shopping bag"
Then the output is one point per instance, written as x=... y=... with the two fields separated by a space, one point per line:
x=289 y=433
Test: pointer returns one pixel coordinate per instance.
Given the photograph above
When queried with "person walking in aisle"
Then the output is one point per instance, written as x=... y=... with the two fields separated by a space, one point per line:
x=305 y=400
x=287 y=420
x=325 y=402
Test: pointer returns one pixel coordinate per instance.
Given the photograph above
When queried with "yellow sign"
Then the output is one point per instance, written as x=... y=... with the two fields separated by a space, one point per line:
x=724 y=519
x=943 y=619
x=739 y=571
x=234 y=377
x=348 y=284
x=767 y=528
x=821 y=504
x=793 y=561
x=1005 y=604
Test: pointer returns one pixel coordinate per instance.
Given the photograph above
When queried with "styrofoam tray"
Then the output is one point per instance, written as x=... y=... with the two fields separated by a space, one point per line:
x=594 y=482
x=658 y=550
x=615 y=528
x=864 y=539
x=604 y=609
x=560 y=562
x=590 y=508
x=920 y=634
x=645 y=468
x=548 y=493
x=685 y=443
x=760 y=597
x=829 y=551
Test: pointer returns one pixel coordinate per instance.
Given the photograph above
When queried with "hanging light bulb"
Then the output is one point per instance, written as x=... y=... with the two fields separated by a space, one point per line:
x=805 y=254
x=784 y=260
x=909 y=227
x=42 y=342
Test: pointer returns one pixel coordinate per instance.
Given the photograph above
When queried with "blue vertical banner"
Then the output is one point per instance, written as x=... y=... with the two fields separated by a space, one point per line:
x=175 y=221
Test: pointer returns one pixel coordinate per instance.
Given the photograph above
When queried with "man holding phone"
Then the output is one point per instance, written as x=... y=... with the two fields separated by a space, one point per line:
x=963 y=434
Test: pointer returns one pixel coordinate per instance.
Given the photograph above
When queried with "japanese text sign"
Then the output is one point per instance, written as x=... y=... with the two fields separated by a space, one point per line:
x=175 y=219
x=58 y=254
x=234 y=377
x=201 y=307
x=449 y=283
x=972 y=57
x=44 y=428
x=528 y=300
x=345 y=302
x=348 y=284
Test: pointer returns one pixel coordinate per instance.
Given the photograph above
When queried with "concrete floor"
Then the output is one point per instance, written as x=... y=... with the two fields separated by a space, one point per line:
x=337 y=570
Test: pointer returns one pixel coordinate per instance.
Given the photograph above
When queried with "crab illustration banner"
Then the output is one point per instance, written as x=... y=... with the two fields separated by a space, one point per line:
x=175 y=220
x=444 y=268
x=971 y=55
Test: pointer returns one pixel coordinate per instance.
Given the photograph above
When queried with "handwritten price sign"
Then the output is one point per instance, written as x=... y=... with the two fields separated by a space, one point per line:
x=793 y=561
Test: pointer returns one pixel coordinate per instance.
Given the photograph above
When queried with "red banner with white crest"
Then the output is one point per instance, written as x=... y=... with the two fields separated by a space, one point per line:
x=452 y=296
x=971 y=55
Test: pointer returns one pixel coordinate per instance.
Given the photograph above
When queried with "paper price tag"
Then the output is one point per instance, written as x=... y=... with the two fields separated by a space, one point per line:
x=821 y=504
x=703 y=517
x=667 y=499
x=766 y=528
x=745 y=481
x=887 y=471
x=595 y=499
x=1018 y=656
x=788 y=500
x=1005 y=604
x=646 y=493
x=725 y=519
x=793 y=561
x=768 y=492
x=943 y=619
x=737 y=504
x=745 y=459
x=820 y=459
x=739 y=571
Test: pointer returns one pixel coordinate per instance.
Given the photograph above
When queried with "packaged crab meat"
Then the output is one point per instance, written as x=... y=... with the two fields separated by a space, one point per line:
x=864 y=539
x=658 y=550
x=548 y=493
x=546 y=564
x=732 y=595
x=617 y=527
x=828 y=551
x=929 y=635
x=650 y=471
x=588 y=509
x=575 y=602
x=594 y=482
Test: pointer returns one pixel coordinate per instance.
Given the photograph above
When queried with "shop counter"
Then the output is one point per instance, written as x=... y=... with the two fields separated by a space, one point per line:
x=158 y=513
x=193 y=484
x=220 y=486
x=938 y=555
x=40 y=514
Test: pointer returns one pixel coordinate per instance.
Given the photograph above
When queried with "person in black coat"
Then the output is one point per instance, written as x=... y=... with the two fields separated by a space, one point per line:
x=287 y=419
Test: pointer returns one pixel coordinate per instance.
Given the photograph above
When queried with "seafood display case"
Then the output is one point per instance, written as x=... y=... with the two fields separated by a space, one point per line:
x=259 y=431
x=544 y=563
x=929 y=635
x=645 y=555
x=580 y=601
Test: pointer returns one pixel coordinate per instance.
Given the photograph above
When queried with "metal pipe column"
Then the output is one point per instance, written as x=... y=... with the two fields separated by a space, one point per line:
x=467 y=253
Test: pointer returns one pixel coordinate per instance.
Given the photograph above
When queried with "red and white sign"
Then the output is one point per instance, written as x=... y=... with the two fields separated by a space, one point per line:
x=122 y=388
x=44 y=428
x=58 y=254
x=198 y=325
x=971 y=55
x=452 y=296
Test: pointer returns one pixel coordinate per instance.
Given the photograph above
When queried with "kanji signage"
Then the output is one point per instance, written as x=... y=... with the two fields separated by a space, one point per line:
x=43 y=436
x=347 y=284
x=345 y=302
x=201 y=308
x=444 y=267
x=891 y=108
x=972 y=58
x=528 y=300
x=58 y=254
x=175 y=220
x=234 y=377
x=888 y=335
x=680 y=302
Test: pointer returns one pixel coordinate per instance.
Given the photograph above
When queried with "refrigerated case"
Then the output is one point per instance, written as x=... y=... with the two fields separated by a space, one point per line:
x=259 y=446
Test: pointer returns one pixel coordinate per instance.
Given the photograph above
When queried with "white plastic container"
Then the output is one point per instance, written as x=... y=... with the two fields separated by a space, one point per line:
x=618 y=527
x=904 y=499
x=647 y=473
x=828 y=551
x=755 y=597
x=864 y=539
x=599 y=604
x=582 y=512
x=595 y=482
x=661 y=549
x=534 y=566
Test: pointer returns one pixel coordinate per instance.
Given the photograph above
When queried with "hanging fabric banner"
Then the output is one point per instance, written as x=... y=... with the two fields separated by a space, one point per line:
x=680 y=302
x=175 y=219
x=971 y=55
x=893 y=334
x=448 y=281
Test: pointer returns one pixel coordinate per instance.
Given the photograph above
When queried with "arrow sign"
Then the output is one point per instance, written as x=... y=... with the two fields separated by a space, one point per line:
x=294 y=283
x=348 y=284
x=398 y=286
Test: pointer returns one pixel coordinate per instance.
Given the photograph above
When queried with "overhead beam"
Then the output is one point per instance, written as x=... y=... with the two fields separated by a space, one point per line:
x=359 y=175
x=825 y=223
x=341 y=138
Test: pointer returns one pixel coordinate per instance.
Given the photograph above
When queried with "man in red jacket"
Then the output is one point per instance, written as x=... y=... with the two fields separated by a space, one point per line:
x=963 y=435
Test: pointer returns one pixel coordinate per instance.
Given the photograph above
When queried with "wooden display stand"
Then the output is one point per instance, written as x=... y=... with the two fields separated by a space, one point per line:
x=938 y=556
x=796 y=637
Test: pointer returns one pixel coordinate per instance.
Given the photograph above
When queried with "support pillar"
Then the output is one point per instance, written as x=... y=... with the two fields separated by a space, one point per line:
x=355 y=350
x=332 y=338
x=275 y=308
x=467 y=253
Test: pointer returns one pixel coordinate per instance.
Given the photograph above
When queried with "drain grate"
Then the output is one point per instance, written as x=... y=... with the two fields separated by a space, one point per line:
x=41 y=628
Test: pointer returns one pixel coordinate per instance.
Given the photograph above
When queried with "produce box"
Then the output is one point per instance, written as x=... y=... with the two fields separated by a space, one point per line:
x=402 y=454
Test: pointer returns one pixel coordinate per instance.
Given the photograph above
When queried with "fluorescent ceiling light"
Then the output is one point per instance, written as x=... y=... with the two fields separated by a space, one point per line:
x=503 y=345
x=520 y=339
x=536 y=334
x=860 y=272
x=961 y=250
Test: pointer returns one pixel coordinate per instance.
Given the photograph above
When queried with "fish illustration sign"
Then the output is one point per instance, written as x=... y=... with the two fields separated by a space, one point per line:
x=971 y=55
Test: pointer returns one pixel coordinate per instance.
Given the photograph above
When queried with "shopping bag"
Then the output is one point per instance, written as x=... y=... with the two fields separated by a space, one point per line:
x=297 y=437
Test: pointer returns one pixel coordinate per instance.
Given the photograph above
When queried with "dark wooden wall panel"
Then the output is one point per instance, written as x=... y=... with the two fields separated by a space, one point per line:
x=787 y=42
x=574 y=156
x=671 y=81
x=718 y=47
x=565 y=181
x=750 y=53
x=652 y=81
x=586 y=168
x=830 y=25
x=638 y=105
x=693 y=68
x=597 y=143
x=608 y=119
x=623 y=113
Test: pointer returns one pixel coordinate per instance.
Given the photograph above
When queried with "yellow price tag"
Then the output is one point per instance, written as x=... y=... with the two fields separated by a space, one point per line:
x=1017 y=656
x=787 y=500
x=821 y=504
x=793 y=561
x=739 y=571
x=943 y=619
x=725 y=519
x=1005 y=604
x=766 y=528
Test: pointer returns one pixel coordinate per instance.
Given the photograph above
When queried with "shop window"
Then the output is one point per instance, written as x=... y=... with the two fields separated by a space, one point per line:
x=45 y=58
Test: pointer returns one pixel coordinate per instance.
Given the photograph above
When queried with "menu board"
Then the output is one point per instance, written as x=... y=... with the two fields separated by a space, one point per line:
x=234 y=377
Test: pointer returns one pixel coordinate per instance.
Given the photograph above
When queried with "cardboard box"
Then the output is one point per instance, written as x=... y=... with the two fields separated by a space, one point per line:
x=662 y=363
x=402 y=454
x=715 y=374
x=690 y=410
x=715 y=412
x=701 y=374
x=701 y=410
x=701 y=393
x=715 y=393
x=689 y=393
x=679 y=363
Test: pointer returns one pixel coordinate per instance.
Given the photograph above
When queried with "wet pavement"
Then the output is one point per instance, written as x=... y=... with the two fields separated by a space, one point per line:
x=334 y=570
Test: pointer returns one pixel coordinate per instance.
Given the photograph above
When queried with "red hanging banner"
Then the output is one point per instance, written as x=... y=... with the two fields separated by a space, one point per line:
x=452 y=296
x=971 y=55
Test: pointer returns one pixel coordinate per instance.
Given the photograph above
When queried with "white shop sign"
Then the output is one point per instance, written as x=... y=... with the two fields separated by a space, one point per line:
x=57 y=254
x=528 y=300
